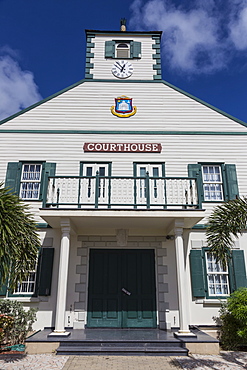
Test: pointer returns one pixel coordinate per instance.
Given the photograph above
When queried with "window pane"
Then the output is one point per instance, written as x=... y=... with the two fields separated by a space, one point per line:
x=143 y=171
x=102 y=171
x=155 y=172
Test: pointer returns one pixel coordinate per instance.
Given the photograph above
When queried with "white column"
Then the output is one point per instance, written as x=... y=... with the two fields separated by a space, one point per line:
x=183 y=295
x=62 y=279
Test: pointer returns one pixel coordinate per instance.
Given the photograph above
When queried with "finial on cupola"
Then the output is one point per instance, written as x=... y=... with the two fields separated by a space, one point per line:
x=123 y=24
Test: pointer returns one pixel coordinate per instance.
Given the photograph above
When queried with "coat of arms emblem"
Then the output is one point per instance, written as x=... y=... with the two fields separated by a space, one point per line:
x=123 y=107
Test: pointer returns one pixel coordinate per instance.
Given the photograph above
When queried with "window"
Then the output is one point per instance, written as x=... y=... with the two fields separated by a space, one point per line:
x=212 y=183
x=28 y=286
x=123 y=49
x=216 y=182
x=27 y=179
x=39 y=280
x=210 y=280
x=30 y=181
x=217 y=277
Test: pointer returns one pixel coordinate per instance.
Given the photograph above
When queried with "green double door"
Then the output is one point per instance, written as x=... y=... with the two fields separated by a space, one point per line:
x=121 y=290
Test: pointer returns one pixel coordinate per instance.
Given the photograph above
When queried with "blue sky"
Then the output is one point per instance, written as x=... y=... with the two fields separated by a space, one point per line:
x=42 y=46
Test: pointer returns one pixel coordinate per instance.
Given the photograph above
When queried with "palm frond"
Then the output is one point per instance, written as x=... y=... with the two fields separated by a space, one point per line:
x=227 y=221
x=19 y=241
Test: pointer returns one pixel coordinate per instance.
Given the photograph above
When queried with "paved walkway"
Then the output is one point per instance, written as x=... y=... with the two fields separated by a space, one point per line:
x=225 y=361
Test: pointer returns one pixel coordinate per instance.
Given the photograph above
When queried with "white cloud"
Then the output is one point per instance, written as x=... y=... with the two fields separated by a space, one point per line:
x=198 y=36
x=238 y=30
x=17 y=87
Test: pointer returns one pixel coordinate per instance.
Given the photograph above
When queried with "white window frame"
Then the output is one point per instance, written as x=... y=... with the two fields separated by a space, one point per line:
x=30 y=181
x=212 y=183
x=217 y=277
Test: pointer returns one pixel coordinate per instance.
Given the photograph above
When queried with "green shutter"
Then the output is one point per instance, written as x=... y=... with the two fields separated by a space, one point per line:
x=231 y=182
x=45 y=271
x=13 y=176
x=239 y=269
x=110 y=49
x=195 y=170
x=48 y=169
x=135 y=49
x=197 y=273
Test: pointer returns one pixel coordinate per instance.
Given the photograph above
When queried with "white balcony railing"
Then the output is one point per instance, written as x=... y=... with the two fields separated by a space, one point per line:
x=121 y=192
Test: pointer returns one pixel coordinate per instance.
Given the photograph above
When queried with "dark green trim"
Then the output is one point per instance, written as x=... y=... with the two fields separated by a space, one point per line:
x=89 y=38
x=128 y=132
x=43 y=225
x=157 y=38
x=200 y=226
x=89 y=55
x=197 y=272
x=13 y=177
x=122 y=81
x=92 y=33
x=238 y=263
x=44 y=271
x=156 y=57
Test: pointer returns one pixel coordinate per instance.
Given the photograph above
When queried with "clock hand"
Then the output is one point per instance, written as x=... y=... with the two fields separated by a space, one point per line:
x=123 y=68
x=119 y=65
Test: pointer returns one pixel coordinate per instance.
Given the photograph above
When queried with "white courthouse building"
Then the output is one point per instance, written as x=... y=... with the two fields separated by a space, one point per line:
x=121 y=171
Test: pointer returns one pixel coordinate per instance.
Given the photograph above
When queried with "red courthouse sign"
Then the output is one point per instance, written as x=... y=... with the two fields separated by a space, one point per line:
x=123 y=147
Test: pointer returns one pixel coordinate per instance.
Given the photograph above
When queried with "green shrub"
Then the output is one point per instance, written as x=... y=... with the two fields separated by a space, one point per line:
x=22 y=321
x=233 y=318
x=6 y=323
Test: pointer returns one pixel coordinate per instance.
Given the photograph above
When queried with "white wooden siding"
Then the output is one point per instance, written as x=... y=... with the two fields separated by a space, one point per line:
x=87 y=107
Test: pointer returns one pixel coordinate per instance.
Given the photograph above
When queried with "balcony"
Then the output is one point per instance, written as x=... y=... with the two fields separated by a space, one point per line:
x=99 y=205
x=115 y=192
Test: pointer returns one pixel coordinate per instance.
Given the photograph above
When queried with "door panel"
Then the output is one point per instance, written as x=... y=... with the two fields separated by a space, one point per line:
x=104 y=296
x=88 y=185
x=125 y=291
x=156 y=186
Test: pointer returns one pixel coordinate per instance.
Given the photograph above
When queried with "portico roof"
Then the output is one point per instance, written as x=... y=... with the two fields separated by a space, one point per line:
x=106 y=221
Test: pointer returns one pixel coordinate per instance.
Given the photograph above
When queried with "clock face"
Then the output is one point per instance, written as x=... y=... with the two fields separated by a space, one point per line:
x=122 y=69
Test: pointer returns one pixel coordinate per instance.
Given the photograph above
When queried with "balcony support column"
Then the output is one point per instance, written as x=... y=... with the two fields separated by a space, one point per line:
x=182 y=282
x=62 y=279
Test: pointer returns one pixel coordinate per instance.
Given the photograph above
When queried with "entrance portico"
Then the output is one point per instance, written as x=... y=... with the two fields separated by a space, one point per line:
x=151 y=223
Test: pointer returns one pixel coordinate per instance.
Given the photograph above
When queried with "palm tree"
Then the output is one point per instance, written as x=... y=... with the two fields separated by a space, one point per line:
x=19 y=242
x=226 y=222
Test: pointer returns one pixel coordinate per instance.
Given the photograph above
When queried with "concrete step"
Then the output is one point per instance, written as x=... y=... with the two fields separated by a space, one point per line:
x=121 y=343
x=122 y=350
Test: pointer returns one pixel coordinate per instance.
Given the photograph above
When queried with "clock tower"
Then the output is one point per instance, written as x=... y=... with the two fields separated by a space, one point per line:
x=122 y=55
